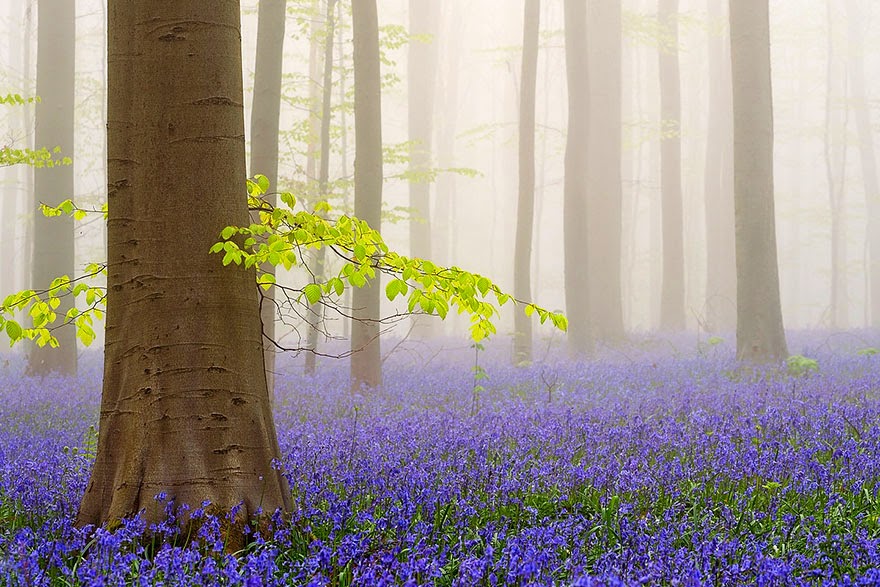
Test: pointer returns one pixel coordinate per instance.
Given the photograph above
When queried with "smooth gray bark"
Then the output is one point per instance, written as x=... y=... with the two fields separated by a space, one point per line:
x=366 y=365
x=265 y=116
x=604 y=183
x=53 y=254
x=718 y=186
x=759 y=331
x=325 y=117
x=867 y=153
x=672 y=289
x=525 y=211
x=575 y=205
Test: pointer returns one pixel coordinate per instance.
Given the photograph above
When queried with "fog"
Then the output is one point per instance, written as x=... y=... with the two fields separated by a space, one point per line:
x=818 y=169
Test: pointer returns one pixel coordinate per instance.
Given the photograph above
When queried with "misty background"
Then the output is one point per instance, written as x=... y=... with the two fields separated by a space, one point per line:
x=818 y=173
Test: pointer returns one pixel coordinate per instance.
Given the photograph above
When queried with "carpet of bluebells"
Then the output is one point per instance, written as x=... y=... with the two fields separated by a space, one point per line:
x=651 y=465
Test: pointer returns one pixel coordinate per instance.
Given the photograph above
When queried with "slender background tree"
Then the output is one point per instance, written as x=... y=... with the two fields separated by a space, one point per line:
x=265 y=116
x=604 y=184
x=672 y=293
x=366 y=362
x=53 y=237
x=759 y=332
x=576 y=210
x=718 y=178
x=525 y=216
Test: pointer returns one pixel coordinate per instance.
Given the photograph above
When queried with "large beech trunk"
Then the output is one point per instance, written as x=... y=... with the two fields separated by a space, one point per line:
x=185 y=407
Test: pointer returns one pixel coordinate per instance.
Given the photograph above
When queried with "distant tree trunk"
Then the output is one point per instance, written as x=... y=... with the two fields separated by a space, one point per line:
x=525 y=211
x=541 y=170
x=185 y=407
x=835 y=173
x=867 y=152
x=421 y=85
x=720 y=237
x=672 y=291
x=313 y=157
x=326 y=114
x=54 y=244
x=366 y=365
x=28 y=201
x=265 y=116
x=604 y=185
x=759 y=332
x=343 y=147
x=446 y=139
x=421 y=77
x=575 y=208
x=13 y=189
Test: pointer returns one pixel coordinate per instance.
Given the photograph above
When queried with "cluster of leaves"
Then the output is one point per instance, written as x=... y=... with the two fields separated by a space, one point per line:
x=38 y=158
x=799 y=365
x=39 y=308
x=42 y=157
x=18 y=100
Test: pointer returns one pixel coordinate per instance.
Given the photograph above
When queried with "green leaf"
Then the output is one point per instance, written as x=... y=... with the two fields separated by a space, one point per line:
x=313 y=292
x=483 y=285
x=338 y=285
x=266 y=280
x=228 y=232
x=357 y=280
x=13 y=331
x=395 y=287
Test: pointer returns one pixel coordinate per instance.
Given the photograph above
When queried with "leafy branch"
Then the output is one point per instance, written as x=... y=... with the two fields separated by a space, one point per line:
x=283 y=234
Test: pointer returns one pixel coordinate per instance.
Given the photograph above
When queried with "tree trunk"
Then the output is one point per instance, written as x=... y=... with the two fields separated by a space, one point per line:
x=28 y=201
x=575 y=208
x=421 y=85
x=313 y=158
x=867 y=152
x=525 y=210
x=366 y=365
x=446 y=140
x=835 y=173
x=672 y=290
x=185 y=407
x=53 y=242
x=759 y=332
x=604 y=185
x=343 y=148
x=265 y=115
x=316 y=311
x=720 y=238
x=421 y=75
x=12 y=191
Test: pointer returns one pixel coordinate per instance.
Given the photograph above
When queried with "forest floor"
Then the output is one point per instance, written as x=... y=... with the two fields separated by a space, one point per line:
x=657 y=463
